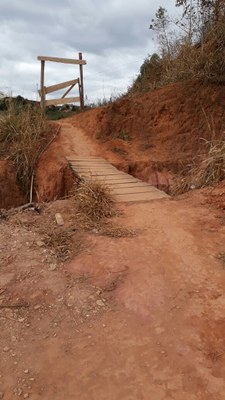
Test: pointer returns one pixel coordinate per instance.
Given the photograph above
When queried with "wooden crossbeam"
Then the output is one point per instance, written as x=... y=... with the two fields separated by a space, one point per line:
x=54 y=102
x=62 y=60
x=58 y=86
x=67 y=91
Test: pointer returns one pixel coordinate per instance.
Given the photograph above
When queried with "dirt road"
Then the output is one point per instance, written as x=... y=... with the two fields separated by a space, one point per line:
x=129 y=318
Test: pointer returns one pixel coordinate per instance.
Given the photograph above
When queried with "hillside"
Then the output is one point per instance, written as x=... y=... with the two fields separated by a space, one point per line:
x=156 y=136
x=161 y=131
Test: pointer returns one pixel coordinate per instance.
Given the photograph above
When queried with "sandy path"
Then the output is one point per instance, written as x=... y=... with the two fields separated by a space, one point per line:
x=75 y=142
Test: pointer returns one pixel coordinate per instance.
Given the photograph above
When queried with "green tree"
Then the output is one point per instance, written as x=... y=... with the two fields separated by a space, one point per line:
x=160 y=24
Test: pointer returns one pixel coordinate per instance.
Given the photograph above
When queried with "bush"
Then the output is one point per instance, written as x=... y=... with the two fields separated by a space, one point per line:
x=212 y=168
x=22 y=139
x=209 y=171
x=94 y=200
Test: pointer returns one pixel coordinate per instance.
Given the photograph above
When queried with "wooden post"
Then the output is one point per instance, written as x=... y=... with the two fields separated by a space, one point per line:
x=42 y=88
x=81 y=84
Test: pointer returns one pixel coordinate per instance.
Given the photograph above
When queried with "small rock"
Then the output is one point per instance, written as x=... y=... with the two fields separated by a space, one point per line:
x=100 y=303
x=26 y=395
x=13 y=338
x=37 y=307
x=19 y=391
x=40 y=243
x=59 y=219
x=26 y=371
x=103 y=325
x=6 y=349
x=52 y=267
x=1 y=395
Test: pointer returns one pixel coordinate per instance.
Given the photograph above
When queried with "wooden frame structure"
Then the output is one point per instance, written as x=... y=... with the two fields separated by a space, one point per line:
x=79 y=81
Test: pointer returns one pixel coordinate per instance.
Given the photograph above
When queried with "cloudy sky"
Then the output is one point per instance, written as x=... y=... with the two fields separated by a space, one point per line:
x=112 y=34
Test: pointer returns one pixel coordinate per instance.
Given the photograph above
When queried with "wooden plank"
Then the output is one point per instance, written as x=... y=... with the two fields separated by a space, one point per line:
x=124 y=187
x=91 y=160
x=96 y=171
x=84 y=164
x=131 y=185
x=93 y=164
x=67 y=91
x=61 y=60
x=62 y=101
x=95 y=168
x=58 y=86
x=81 y=83
x=84 y=159
x=132 y=190
x=140 y=196
x=113 y=179
x=42 y=91
x=106 y=174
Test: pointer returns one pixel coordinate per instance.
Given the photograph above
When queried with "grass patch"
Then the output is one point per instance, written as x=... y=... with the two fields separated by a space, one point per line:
x=64 y=242
x=212 y=168
x=209 y=171
x=94 y=207
x=94 y=200
x=55 y=115
x=23 y=137
x=115 y=231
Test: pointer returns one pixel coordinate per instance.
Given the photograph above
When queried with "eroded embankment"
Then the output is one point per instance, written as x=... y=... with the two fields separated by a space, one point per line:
x=154 y=137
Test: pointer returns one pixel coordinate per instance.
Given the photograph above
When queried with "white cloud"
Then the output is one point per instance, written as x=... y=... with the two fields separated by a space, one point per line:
x=113 y=35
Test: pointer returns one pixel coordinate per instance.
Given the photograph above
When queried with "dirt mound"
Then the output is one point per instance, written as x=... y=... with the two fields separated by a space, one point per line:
x=53 y=177
x=158 y=134
x=166 y=124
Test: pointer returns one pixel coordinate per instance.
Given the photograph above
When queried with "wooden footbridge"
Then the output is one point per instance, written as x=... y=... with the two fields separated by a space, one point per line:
x=124 y=187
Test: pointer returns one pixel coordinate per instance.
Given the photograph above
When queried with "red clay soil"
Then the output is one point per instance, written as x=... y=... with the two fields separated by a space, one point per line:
x=130 y=318
x=169 y=123
x=152 y=136
x=10 y=195
x=156 y=135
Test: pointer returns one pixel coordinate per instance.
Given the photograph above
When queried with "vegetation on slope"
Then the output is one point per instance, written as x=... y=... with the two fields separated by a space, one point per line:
x=190 y=48
x=23 y=137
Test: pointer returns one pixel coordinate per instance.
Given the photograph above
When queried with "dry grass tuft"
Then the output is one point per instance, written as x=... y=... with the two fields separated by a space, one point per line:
x=94 y=206
x=22 y=139
x=115 y=231
x=212 y=168
x=180 y=185
x=210 y=171
x=94 y=200
x=63 y=242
